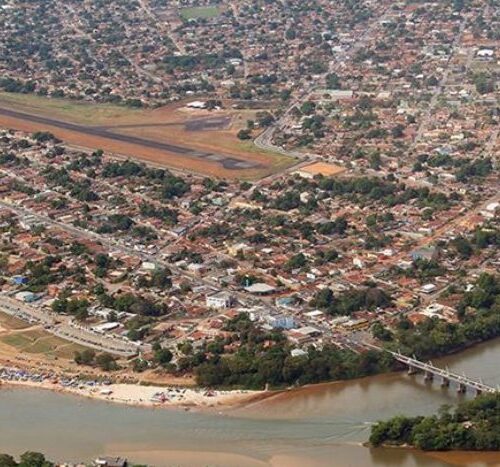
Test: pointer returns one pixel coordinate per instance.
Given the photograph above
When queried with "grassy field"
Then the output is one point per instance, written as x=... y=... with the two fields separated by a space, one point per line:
x=68 y=351
x=41 y=342
x=19 y=341
x=199 y=12
x=279 y=161
x=74 y=111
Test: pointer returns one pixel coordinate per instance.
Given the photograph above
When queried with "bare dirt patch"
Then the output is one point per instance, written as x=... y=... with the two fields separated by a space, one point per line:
x=8 y=322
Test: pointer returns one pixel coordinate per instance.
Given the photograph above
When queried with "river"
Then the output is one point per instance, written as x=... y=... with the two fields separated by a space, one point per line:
x=317 y=426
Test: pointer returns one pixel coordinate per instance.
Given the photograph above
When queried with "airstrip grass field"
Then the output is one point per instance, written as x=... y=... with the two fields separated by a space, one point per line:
x=173 y=136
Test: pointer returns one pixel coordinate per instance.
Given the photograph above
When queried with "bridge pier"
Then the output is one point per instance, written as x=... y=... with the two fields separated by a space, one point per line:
x=446 y=376
x=412 y=370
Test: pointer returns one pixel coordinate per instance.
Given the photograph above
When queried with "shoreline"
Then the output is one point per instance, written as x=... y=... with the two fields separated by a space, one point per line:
x=185 y=397
x=135 y=395
x=456 y=457
x=147 y=449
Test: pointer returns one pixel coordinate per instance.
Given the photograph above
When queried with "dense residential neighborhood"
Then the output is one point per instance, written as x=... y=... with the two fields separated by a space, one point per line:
x=130 y=260
x=206 y=204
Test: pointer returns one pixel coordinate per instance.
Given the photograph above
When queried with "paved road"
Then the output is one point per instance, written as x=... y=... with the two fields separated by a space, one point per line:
x=111 y=243
x=227 y=161
x=118 y=245
x=65 y=328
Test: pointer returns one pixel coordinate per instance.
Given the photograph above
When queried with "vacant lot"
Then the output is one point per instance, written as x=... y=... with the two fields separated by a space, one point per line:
x=200 y=141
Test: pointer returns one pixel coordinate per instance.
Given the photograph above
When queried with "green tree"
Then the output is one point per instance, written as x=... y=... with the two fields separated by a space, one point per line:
x=163 y=357
x=86 y=357
x=106 y=362
x=34 y=459
x=244 y=134
x=7 y=461
x=381 y=332
x=295 y=262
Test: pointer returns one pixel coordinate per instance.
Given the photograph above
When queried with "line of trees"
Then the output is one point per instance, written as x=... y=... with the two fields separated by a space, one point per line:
x=104 y=361
x=348 y=302
x=28 y=459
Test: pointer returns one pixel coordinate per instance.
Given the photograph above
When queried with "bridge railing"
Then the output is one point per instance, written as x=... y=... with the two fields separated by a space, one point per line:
x=430 y=368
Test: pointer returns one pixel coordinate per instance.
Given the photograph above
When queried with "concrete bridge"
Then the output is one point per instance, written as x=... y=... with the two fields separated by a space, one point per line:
x=430 y=371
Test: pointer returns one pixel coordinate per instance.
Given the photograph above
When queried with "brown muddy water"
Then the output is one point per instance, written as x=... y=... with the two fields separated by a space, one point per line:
x=324 y=425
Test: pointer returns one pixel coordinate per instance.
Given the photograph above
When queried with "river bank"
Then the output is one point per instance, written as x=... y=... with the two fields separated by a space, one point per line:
x=131 y=394
x=454 y=457
x=199 y=459
x=186 y=397
x=318 y=426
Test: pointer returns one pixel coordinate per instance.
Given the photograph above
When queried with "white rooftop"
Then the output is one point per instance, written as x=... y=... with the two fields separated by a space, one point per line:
x=260 y=287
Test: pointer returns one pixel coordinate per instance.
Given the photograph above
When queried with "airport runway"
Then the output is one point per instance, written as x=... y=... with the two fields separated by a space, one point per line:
x=227 y=161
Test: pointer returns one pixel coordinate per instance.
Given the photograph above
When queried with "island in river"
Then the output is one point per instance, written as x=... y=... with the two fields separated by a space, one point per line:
x=474 y=425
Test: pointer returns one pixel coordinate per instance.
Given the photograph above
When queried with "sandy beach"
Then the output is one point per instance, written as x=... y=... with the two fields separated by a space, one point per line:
x=149 y=396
